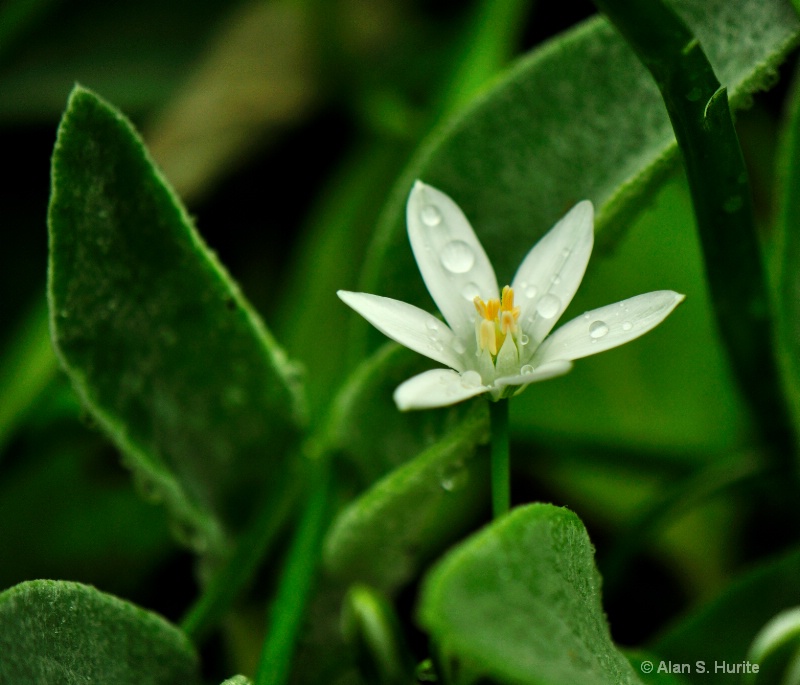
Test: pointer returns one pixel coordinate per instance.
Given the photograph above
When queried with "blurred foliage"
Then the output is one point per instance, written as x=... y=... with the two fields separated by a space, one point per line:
x=292 y=129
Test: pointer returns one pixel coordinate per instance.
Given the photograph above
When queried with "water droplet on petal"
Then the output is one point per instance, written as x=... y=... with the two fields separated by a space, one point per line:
x=522 y=285
x=438 y=345
x=471 y=379
x=530 y=293
x=627 y=325
x=586 y=315
x=548 y=306
x=598 y=329
x=525 y=370
x=459 y=347
x=524 y=339
x=432 y=325
x=470 y=291
x=555 y=280
x=430 y=215
x=457 y=257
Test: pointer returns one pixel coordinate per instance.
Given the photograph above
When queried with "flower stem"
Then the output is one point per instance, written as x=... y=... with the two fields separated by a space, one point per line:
x=501 y=474
x=296 y=583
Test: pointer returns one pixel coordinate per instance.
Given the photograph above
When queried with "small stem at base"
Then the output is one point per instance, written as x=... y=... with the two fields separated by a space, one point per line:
x=500 y=469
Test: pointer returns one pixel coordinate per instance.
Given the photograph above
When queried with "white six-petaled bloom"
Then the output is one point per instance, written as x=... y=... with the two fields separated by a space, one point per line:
x=497 y=342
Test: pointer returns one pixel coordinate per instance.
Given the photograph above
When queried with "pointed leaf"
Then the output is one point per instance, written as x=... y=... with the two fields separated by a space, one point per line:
x=158 y=341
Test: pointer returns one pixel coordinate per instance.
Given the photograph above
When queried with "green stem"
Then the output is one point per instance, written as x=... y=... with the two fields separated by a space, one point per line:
x=28 y=364
x=296 y=583
x=501 y=474
x=698 y=108
x=229 y=582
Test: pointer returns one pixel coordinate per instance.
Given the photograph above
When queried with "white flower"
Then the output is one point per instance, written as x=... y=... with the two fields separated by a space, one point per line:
x=495 y=342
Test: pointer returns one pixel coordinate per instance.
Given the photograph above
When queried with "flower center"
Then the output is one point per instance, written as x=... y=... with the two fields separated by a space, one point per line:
x=498 y=318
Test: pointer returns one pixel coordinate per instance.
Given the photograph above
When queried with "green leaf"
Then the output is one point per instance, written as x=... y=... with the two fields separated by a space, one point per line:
x=384 y=536
x=520 y=602
x=238 y=680
x=553 y=132
x=776 y=650
x=723 y=629
x=788 y=250
x=57 y=632
x=371 y=628
x=157 y=340
x=389 y=438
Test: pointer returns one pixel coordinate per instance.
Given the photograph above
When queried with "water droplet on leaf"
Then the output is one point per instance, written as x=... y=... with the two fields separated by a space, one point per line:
x=453 y=477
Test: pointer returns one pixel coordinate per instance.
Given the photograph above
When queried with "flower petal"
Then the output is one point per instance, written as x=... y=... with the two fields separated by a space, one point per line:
x=409 y=325
x=437 y=388
x=542 y=372
x=450 y=257
x=607 y=327
x=548 y=277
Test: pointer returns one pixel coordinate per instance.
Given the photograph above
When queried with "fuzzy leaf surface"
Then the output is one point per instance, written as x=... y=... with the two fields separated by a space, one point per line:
x=519 y=602
x=157 y=339
x=61 y=633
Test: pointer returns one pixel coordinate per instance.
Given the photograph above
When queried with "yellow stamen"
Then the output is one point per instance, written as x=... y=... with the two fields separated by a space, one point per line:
x=507 y=323
x=499 y=318
x=487 y=337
